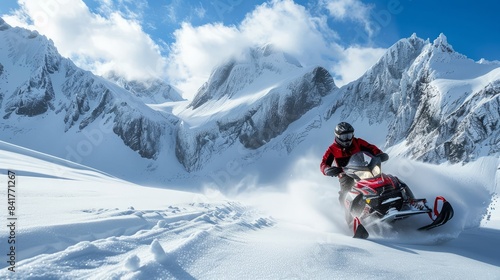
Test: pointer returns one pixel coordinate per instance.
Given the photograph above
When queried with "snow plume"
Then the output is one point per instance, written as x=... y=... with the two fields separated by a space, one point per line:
x=467 y=187
x=316 y=197
x=305 y=197
x=310 y=199
x=100 y=43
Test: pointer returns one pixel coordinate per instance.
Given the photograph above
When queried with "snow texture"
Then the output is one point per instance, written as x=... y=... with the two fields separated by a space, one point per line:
x=78 y=223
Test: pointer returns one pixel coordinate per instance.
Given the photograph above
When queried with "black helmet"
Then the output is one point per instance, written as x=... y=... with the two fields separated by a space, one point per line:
x=344 y=133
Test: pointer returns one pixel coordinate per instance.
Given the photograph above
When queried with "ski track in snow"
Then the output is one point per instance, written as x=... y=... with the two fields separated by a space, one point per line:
x=133 y=244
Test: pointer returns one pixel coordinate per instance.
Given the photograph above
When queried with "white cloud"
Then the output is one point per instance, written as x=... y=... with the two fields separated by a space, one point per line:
x=200 y=12
x=95 y=42
x=288 y=26
x=353 y=10
x=177 y=11
x=285 y=24
x=171 y=10
x=354 y=63
x=133 y=9
x=197 y=50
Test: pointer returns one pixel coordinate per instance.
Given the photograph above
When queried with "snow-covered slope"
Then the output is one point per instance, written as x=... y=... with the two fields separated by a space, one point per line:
x=74 y=222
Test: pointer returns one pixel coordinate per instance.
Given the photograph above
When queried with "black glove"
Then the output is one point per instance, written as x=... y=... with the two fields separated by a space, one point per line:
x=333 y=171
x=383 y=156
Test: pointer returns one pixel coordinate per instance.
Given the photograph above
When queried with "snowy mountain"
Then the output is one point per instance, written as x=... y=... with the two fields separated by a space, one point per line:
x=421 y=100
x=261 y=93
x=254 y=71
x=442 y=105
x=51 y=105
x=251 y=101
x=152 y=91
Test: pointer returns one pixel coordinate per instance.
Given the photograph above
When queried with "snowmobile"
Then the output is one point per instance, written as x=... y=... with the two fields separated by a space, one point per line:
x=382 y=198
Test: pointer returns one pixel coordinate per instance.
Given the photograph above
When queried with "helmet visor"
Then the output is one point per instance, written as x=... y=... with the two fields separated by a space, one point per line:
x=345 y=136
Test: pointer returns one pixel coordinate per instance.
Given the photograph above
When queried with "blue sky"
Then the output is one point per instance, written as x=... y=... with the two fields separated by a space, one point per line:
x=184 y=40
x=473 y=29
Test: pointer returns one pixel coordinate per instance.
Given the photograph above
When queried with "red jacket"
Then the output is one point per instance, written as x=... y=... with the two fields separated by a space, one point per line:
x=342 y=155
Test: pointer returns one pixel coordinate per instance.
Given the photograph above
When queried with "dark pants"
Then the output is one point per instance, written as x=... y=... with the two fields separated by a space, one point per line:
x=346 y=183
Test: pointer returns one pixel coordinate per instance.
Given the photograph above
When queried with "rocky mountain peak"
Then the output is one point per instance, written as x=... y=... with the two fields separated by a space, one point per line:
x=441 y=43
x=257 y=67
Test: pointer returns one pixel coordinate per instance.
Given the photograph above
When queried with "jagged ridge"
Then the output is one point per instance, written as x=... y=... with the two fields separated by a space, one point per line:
x=50 y=84
x=416 y=87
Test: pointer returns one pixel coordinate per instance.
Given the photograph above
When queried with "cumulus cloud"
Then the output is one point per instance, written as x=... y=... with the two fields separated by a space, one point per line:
x=197 y=50
x=353 y=10
x=285 y=24
x=100 y=43
x=354 y=63
x=290 y=27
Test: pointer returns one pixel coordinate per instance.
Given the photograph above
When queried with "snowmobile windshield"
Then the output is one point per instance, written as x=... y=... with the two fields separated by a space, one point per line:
x=363 y=166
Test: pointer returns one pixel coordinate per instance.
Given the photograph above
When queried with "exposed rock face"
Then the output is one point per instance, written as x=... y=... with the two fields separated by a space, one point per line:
x=32 y=98
x=283 y=106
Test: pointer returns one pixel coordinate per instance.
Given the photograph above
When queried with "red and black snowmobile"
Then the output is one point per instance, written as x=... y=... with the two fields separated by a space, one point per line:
x=377 y=197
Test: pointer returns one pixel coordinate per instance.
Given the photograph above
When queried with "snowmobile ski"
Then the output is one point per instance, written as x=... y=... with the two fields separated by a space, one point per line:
x=398 y=215
x=359 y=230
x=441 y=217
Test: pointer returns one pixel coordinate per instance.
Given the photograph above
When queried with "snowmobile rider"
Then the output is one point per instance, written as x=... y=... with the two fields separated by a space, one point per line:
x=344 y=146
